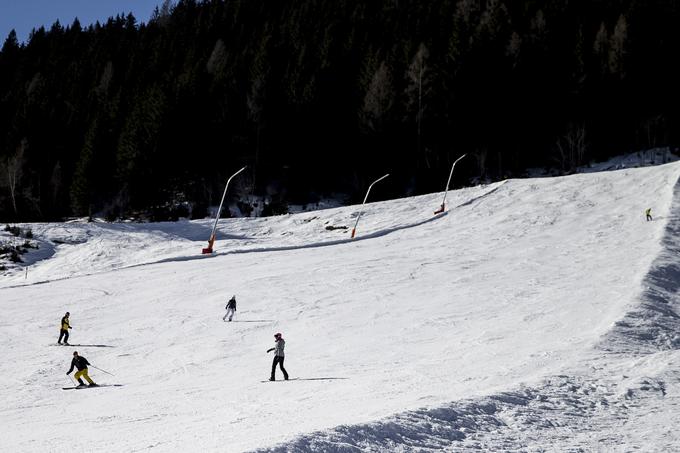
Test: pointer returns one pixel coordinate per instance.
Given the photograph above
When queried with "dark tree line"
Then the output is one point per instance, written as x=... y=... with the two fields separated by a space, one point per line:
x=317 y=97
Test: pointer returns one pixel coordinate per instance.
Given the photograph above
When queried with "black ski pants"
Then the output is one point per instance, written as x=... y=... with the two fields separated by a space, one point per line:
x=279 y=360
x=63 y=333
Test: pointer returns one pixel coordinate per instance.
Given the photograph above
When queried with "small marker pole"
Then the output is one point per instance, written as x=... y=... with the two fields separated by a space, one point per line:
x=102 y=370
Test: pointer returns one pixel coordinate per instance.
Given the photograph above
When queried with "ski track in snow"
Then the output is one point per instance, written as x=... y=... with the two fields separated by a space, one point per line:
x=538 y=315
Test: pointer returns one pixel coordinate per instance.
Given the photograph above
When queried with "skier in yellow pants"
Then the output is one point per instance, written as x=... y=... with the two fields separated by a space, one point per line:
x=81 y=363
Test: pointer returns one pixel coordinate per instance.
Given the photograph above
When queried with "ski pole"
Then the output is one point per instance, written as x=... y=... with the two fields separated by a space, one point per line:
x=71 y=380
x=101 y=370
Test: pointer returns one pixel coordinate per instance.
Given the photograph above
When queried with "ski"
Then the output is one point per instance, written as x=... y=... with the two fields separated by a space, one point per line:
x=83 y=387
x=82 y=345
x=282 y=380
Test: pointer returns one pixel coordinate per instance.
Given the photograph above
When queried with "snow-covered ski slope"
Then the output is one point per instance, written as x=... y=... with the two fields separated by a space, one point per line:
x=537 y=314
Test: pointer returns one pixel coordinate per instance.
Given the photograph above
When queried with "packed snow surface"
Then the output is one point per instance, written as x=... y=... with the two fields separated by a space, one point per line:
x=536 y=314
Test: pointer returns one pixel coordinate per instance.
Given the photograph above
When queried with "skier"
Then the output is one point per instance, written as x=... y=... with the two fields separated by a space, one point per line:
x=231 y=308
x=81 y=363
x=64 y=329
x=648 y=213
x=278 y=356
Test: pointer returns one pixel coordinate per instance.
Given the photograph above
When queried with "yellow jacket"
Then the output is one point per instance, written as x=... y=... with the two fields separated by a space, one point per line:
x=64 y=323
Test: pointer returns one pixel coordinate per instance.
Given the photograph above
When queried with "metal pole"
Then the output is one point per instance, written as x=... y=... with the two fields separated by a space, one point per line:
x=362 y=204
x=446 y=191
x=211 y=240
x=101 y=370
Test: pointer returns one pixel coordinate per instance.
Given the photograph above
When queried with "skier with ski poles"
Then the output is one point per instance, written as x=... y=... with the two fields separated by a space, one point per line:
x=278 y=356
x=648 y=214
x=81 y=363
x=231 y=309
x=63 y=332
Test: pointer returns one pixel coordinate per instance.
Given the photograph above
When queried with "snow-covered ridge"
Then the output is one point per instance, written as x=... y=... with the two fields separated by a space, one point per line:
x=588 y=410
x=504 y=325
x=654 y=324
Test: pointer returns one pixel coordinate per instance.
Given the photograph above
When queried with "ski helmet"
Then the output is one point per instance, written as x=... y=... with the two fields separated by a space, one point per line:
x=277 y=335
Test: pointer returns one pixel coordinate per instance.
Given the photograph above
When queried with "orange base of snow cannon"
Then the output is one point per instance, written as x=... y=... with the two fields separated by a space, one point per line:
x=209 y=248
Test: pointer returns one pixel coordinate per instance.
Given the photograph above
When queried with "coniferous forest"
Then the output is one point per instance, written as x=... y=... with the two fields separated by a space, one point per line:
x=147 y=117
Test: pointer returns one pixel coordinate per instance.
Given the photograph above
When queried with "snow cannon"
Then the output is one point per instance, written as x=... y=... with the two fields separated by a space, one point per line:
x=354 y=230
x=442 y=208
x=211 y=241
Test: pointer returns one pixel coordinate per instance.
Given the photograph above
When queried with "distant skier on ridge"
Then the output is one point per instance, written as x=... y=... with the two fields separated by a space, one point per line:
x=648 y=213
x=231 y=309
x=81 y=363
x=63 y=332
x=278 y=356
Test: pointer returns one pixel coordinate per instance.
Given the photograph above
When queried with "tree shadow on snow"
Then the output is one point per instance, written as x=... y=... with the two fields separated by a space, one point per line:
x=361 y=237
x=186 y=230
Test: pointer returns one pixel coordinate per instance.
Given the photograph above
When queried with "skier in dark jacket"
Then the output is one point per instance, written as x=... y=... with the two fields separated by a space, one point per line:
x=231 y=309
x=278 y=356
x=63 y=332
x=81 y=363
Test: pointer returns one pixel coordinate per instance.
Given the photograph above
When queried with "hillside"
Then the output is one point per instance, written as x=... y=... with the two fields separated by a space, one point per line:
x=147 y=117
x=537 y=312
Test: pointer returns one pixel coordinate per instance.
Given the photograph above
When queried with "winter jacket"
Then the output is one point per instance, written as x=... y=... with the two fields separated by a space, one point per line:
x=79 y=362
x=64 y=323
x=278 y=349
x=231 y=304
